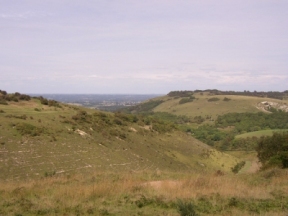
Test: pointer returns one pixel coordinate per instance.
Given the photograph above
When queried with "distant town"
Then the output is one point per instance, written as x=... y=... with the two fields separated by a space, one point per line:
x=105 y=102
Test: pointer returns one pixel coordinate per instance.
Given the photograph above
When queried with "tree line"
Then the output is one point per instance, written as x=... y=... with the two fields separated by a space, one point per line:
x=269 y=94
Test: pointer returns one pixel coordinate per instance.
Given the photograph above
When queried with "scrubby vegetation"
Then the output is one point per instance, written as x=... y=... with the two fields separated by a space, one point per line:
x=269 y=94
x=180 y=93
x=60 y=159
x=213 y=99
x=247 y=122
x=187 y=100
x=222 y=133
x=29 y=129
x=144 y=107
x=273 y=151
x=238 y=167
x=45 y=101
x=15 y=97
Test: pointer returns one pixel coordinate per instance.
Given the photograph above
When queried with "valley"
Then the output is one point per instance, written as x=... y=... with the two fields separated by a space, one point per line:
x=159 y=157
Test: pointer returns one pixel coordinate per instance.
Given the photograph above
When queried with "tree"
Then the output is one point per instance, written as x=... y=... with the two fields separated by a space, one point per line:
x=273 y=151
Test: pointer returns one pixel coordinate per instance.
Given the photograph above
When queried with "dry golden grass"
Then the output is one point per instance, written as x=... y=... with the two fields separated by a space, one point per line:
x=151 y=193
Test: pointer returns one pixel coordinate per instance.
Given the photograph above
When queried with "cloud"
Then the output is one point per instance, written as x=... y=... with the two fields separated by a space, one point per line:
x=25 y=15
x=143 y=45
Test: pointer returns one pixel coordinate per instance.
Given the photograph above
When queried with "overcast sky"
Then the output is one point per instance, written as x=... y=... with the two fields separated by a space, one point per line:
x=143 y=47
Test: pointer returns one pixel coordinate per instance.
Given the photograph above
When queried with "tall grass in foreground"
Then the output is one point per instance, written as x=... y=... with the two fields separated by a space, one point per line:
x=148 y=193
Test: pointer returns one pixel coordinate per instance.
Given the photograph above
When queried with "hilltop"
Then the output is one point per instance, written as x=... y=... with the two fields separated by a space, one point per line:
x=217 y=118
x=208 y=104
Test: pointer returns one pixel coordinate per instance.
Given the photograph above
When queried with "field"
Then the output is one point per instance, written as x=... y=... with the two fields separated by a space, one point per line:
x=259 y=133
x=202 y=107
x=148 y=193
x=68 y=160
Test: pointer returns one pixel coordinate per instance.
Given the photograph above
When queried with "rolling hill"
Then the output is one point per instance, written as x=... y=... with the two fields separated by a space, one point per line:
x=209 y=104
x=42 y=138
x=60 y=159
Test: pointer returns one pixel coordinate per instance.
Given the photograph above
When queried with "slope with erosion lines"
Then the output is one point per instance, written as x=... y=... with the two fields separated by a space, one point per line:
x=38 y=140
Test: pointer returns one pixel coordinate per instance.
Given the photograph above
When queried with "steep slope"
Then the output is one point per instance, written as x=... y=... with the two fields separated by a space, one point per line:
x=42 y=140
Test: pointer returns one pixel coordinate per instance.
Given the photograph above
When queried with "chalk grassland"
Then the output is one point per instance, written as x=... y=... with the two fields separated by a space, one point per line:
x=37 y=140
x=74 y=161
x=148 y=193
x=202 y=107
x=260 y=133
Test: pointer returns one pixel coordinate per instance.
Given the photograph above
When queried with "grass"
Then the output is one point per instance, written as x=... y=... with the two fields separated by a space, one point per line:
x=77 y=161
x=148 y=193
x=260 y=133
x=65 y=140
x=202 y=107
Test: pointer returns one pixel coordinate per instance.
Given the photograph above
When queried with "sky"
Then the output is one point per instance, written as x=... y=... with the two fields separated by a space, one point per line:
x=143 y=47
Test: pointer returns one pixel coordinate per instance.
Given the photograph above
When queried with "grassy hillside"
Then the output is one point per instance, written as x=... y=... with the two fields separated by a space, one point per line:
x=216 y=117
x=58 y=159
x=42 y=140
x=149 y=193
x=204 y=105
x=260 y=133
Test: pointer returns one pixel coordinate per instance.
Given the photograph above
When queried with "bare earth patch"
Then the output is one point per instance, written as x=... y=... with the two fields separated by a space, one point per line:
x=165 y=183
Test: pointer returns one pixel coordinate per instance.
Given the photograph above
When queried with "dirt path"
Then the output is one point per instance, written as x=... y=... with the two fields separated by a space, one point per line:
x=251 y=166
x=255 y=166
x=163 y=183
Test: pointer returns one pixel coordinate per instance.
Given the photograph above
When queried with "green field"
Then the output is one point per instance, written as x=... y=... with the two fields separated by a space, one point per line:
x=260 y=133
x=202 y=107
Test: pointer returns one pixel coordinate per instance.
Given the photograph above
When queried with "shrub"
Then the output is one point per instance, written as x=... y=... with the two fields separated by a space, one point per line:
x=186 y=100
x=118 y=121
x=186 y=208
x=3 y=92
x=24 y=117
x=81 y=116
x=3 y=102
x=238 y=167
x=53 y=103
x=49 y=174
x=213 y=99
x=273 y=151
x=43 y=101
x=29 y=129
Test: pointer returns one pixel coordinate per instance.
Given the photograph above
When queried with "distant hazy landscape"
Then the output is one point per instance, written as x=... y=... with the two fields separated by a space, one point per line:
x=107 y=102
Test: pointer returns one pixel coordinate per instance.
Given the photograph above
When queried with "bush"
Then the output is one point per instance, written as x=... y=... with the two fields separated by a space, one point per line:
x=213 y=99
x=238 y=167
x=273 y=151
x=49 y=174
x=118 y=121
x=24 y=117
x=29 y=129
x=186 y=100
x=3 y=102
x=3 y=92
x=81 y=116
x=186 y=208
